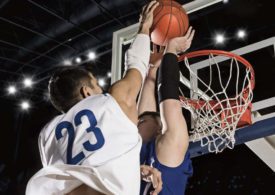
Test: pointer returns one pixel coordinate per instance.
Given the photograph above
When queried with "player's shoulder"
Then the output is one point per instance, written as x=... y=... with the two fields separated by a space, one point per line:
x=99 y=99
x=104 y=100
x=47 y=129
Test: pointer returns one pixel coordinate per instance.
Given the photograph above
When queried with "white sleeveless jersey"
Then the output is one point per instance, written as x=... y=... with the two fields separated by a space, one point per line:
x=95 y=134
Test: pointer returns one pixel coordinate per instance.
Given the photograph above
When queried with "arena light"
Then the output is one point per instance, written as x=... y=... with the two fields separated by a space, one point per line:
x=11 y=90
x=219 y=39
x=67 y=62
x=101 y=82
x=109 y=74
x=241 y=34
x=91 y=55
x=78 y=60
x=28 y=82
x=25 y=105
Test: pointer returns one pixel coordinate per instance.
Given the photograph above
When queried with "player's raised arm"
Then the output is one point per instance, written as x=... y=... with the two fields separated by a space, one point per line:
x=175 y=137
x=147 y=100
x=126 y=90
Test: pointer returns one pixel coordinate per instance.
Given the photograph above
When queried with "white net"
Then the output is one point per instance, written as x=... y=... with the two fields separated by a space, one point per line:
x=219 y=101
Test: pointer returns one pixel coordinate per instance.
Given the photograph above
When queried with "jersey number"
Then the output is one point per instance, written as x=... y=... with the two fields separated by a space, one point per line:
x=68 y=126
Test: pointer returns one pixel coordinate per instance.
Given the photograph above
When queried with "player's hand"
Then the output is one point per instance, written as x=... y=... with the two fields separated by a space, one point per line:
x=156 y=56
x=181 y=44
x=146 y=17
x=151 y=174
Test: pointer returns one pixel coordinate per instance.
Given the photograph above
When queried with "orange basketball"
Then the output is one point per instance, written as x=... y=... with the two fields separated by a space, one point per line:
x=170 y=20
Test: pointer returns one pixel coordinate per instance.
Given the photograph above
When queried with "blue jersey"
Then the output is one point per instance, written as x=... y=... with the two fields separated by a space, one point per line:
x=174 y=178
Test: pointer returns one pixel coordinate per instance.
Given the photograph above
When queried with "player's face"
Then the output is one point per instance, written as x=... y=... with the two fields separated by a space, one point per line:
x=149 y=127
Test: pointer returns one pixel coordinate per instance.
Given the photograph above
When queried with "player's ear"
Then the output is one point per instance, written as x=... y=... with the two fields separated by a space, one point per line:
x=86 y=91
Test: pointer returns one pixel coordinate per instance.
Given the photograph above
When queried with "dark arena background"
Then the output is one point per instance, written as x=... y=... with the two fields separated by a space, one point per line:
x=37 y=36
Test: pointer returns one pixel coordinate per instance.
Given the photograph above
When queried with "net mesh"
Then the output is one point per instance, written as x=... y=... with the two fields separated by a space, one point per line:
x=218 y=111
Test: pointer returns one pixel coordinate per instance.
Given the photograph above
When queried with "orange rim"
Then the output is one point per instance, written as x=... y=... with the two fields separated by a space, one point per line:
x=221 y=53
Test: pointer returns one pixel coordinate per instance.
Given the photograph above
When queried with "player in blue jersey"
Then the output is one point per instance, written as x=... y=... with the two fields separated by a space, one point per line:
x=165 y=135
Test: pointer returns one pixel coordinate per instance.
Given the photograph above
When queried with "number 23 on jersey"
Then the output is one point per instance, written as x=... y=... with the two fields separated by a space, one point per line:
x=67 y=127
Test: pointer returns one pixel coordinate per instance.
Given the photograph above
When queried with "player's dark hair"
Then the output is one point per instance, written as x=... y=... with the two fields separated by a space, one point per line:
x=65 y=86
x=154 y=115
x=149 y=113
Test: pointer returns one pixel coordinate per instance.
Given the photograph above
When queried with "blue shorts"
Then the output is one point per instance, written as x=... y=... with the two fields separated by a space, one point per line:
x=174 y=178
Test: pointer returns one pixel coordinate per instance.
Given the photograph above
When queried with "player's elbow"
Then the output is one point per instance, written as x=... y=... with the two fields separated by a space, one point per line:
x=122 y=94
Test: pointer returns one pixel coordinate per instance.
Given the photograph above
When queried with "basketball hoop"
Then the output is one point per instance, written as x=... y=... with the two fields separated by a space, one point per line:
x=218 y=107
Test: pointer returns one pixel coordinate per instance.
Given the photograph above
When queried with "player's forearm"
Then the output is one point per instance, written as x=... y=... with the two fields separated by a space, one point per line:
x=137 y=59
x=152 y=73
x=144 y=30
x=147 y=101
x=168 y=81
x=136 y=66
x=138 y=55
x=168 y=78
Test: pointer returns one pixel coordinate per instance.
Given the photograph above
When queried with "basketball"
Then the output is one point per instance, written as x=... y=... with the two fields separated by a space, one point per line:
x=170 y=20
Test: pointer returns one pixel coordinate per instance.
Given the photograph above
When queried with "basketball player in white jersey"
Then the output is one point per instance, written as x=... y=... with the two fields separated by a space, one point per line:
x=93 y=146
x=165 y=135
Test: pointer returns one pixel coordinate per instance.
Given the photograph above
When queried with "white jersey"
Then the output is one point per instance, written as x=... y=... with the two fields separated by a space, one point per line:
x=96 y=138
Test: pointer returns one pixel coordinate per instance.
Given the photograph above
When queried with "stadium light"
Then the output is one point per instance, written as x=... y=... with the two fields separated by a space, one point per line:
x=101 y=82
x=28 y=82
x=12 y=90
x=219 y=39
x=91 y=55
x=241 y=34
x=67 y=62
x=78 y=60
x=25 y=105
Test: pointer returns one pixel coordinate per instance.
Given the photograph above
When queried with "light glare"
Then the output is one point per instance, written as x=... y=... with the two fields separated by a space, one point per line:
x=241 y=34
x=67 y=62
x=109 y=74
x=28 y=82
x=91 y=55
x=219 y=39
x=78 y=59
x=12 y=89
x=101 y=82
x=25 y=105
